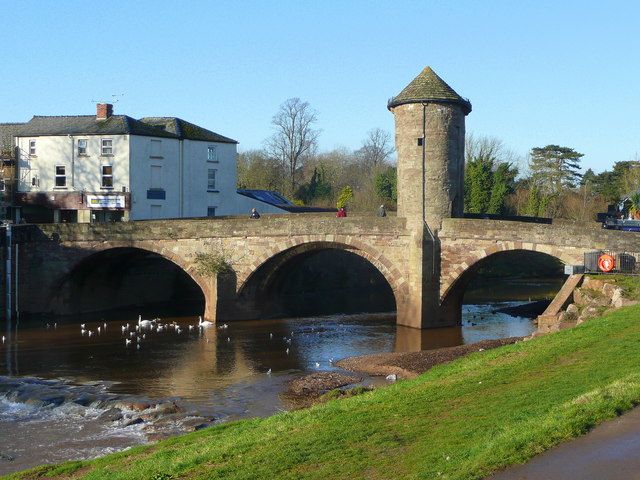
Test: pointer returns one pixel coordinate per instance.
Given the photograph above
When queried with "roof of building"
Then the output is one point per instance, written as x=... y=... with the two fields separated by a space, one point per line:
x=89 y=125
x=7 y=132
x=184 y=129
x=266 y=196
x=166 y=127
x=429 y=87
x=277 y=200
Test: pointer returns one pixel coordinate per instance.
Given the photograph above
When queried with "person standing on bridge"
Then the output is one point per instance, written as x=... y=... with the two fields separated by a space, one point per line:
x=382 y=212
x=254 y=214
x=342 y=212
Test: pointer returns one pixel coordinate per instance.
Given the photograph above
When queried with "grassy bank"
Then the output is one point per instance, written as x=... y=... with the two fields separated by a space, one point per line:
x=461 y=420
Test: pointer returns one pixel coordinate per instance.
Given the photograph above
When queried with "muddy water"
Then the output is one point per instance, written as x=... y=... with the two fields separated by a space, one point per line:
x=58 y=382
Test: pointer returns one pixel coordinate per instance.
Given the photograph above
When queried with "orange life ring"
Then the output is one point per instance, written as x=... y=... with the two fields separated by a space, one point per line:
x=606 y=263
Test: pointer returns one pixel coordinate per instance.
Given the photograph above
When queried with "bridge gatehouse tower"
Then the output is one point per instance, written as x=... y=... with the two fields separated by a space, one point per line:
x=429 y=117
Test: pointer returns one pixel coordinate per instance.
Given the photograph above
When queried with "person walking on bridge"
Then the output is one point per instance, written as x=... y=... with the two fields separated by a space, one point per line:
x=382 y=212
x=341 y=212
x=254 y=214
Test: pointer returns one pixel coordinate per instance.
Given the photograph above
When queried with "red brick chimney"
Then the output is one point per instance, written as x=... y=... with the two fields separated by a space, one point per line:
x=104 y=111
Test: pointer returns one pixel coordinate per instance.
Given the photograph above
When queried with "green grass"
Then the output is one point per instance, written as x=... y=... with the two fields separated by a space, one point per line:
x=629 y=284
x=461 y=420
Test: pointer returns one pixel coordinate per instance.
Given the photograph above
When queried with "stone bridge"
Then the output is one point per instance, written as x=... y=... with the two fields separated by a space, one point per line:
x=428 y=276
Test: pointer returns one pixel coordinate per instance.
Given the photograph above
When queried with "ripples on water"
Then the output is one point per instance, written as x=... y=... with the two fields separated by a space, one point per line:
x=218 y=372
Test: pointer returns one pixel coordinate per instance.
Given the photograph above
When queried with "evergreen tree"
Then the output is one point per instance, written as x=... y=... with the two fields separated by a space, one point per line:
x=317 y=188
x=386 y=184
x=554 y=168
x=478 y=183
x=537 y=203
x=502 y=186
x=533 y=202
x=589 y=177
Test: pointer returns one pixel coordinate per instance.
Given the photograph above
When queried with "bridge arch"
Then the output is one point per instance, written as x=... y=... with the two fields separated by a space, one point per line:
x=454 y=288
x=101 y=272
x=268 y=266
x=455 y=269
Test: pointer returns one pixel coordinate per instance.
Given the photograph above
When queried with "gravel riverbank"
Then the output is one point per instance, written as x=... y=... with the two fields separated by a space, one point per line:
x=412 y=364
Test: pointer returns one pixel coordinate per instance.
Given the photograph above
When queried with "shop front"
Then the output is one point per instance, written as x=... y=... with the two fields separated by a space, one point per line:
x=72 y=207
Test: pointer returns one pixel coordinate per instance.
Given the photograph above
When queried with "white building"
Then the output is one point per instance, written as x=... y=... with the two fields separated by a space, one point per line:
x=113 y=167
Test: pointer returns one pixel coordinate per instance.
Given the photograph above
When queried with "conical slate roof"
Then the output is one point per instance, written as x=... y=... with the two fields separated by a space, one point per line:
x=429 y=87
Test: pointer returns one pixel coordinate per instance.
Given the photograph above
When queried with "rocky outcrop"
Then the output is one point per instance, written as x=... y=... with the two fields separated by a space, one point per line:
x=593 y=298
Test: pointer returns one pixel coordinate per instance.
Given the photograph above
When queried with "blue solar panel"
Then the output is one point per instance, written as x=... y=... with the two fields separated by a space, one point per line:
x=267 y=196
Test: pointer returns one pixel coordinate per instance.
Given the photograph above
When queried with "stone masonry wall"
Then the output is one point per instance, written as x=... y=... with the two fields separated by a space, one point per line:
x=49 y=252
x=466 y=241
x=440 y=183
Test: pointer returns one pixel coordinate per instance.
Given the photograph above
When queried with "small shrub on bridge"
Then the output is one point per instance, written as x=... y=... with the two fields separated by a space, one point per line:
x=211 y=264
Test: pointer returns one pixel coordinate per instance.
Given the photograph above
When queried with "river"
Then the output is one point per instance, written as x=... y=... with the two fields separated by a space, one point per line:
x=66 y=394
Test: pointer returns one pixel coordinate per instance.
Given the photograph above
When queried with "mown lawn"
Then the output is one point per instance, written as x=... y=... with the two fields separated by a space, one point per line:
x=462 y=420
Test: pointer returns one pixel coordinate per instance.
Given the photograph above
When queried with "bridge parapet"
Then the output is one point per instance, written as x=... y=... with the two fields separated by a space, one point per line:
x=219 y=227
x=465 y=243
x=586 y=235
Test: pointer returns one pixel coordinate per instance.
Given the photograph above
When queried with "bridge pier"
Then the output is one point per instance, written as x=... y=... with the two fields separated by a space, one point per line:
x=421 y=308
x=222 y=302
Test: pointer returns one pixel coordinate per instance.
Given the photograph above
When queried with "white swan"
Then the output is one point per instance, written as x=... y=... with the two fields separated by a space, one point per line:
x=145 y=323
x=205 y=323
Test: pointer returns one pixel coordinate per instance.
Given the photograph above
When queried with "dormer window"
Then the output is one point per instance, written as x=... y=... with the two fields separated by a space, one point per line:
x=32 y=147
x=107 y=146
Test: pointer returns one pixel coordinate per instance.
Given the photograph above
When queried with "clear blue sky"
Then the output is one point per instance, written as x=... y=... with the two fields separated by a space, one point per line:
x=536 y=72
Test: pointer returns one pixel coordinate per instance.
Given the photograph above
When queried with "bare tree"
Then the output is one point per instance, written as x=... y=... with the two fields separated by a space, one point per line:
x=294 y=138
x=489 y=148
x=376 y=148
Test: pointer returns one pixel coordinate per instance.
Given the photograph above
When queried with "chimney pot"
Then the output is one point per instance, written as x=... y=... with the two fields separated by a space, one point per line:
x=104 y=111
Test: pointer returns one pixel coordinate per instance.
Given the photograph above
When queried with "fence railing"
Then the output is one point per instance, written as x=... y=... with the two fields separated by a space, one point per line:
x=606 y=261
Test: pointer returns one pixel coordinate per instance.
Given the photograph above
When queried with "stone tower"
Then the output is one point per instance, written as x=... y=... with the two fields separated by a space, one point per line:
x=429 y=117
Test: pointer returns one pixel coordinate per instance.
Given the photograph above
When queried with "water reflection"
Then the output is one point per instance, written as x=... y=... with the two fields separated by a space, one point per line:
x=218 y=371
x=197 y=364
x=412 y=340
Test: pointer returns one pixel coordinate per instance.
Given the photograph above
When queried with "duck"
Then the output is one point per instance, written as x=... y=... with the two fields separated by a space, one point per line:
x=205 y=323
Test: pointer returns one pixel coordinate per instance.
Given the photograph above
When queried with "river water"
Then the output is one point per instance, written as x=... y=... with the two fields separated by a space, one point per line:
x=56 y=382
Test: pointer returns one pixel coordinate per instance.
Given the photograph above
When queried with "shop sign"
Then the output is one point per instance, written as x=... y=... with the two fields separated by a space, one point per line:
x=105 y=201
